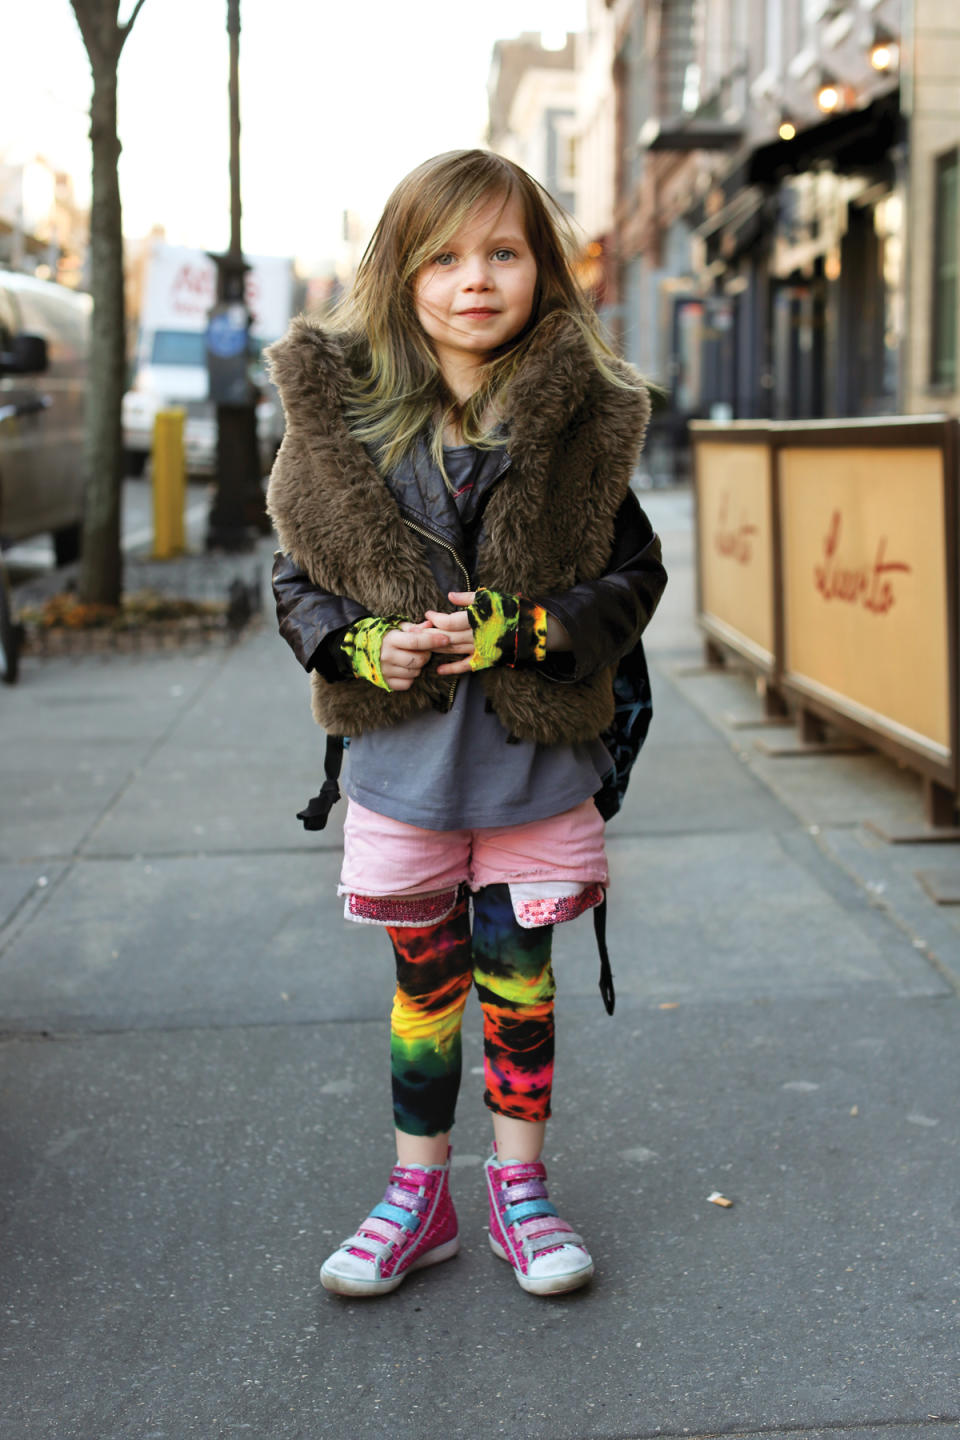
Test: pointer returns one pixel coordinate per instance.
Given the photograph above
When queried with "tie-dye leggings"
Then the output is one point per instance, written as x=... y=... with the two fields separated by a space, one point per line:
x=436 y=965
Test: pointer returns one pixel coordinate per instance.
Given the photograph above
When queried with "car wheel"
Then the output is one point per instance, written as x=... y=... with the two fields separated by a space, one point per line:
x=10 y=634
x=134 y=463
x=66 y=544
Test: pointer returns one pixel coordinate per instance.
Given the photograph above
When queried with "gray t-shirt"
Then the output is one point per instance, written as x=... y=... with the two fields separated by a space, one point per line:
x=456 y=771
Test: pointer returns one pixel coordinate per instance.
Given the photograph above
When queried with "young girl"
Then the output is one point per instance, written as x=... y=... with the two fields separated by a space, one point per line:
x=463 y=565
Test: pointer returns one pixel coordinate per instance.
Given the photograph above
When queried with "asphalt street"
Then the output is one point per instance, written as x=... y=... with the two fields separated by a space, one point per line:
x=194 y=1099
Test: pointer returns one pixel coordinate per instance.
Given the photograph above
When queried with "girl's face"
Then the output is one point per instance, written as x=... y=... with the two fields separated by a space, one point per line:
x=477 y=293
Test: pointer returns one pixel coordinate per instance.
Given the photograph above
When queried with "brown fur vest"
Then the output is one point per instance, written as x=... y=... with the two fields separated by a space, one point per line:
x=573 y=442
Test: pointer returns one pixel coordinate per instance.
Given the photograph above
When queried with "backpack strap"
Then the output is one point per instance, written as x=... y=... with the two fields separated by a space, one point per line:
x=317 y=810
x=606 y=974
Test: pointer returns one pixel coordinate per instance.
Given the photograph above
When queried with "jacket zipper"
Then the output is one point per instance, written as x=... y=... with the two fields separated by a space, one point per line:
x=428 y=535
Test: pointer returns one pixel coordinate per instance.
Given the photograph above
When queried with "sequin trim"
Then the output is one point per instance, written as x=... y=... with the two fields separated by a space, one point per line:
x=397 y=910
x=533 y=913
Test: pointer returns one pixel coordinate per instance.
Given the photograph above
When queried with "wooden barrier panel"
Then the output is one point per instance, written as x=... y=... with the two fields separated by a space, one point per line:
x=827 y=556
x=867 y=590
x=735 y=550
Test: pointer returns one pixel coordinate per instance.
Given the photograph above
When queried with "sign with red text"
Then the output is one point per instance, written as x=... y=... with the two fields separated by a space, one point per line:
x=865 y=586
x=736 y=554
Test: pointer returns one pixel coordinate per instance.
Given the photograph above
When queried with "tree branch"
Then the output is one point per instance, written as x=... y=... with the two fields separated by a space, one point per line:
x=102 y=35
x=124 y=30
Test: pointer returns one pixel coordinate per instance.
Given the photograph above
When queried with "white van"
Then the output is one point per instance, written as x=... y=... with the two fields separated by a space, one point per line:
x=44 y=345
x=171 y=362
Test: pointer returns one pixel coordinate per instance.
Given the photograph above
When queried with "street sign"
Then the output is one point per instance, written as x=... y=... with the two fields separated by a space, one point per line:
x=228 y=346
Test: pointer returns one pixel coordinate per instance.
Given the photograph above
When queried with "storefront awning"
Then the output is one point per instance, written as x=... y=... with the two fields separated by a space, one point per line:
x=852 y=141
x=690 y=134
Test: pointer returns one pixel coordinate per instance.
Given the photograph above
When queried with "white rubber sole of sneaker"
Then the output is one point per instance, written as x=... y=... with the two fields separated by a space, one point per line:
x=353 y=1285
x=546 y=1284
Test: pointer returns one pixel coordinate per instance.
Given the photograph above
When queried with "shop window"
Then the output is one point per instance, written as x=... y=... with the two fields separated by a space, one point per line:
x=946 y=295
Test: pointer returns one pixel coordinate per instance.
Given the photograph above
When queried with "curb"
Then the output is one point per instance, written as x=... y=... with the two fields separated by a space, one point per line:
x=234 y=590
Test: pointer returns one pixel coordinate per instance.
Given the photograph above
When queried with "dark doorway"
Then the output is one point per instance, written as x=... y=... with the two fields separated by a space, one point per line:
x=798 y=335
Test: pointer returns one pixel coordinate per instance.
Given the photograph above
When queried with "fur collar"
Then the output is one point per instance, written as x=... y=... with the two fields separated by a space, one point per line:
x=573 y=439
x=311 y=368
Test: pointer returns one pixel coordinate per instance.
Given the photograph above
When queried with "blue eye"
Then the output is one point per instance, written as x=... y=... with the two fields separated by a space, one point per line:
x=444 y=259
x=504 y=254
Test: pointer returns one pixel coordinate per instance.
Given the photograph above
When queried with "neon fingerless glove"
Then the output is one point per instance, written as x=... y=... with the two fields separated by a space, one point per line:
x=362 y=644
x=508 y=630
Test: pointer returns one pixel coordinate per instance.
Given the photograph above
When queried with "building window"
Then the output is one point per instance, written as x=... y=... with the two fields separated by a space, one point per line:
x=567 y=144
x=946 y=296
x=773 y=38
x=676 y=53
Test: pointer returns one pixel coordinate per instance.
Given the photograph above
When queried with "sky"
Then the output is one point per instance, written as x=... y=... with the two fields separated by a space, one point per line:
x=339 y=99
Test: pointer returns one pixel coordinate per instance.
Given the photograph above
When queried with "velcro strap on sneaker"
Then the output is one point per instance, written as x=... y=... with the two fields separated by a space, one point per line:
x=408 y=1219
x=525 y=1190
x=386 y=1233
x=377 y=1249
x=530 y=1170
x=526 y=1210
x=398 y=1195
x=551 y=1242
x=544 y=1225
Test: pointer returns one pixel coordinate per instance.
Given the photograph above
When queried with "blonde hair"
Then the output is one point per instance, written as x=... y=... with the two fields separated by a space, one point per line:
x=399 y=391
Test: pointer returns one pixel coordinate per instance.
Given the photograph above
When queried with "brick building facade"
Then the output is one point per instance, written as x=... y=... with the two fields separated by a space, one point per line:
x=771 y=190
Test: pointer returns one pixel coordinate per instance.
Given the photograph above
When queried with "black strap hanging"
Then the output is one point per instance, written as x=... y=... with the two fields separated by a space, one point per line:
x=606 y=974
x=317 y=811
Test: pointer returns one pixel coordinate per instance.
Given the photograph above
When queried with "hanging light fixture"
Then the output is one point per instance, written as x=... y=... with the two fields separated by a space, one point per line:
x=829 y=93
x=884 y=51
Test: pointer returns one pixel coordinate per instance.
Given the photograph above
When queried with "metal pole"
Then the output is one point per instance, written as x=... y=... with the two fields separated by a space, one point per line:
x=233 y=30
x=238 y=510
x=909 y=232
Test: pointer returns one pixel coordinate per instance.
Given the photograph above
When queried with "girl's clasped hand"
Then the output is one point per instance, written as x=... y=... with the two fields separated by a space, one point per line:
x=489 y=629
x=406 y=650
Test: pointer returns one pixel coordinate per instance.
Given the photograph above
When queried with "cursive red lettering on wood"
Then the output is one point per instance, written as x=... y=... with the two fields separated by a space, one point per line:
x=733 y=541
x=868 y=585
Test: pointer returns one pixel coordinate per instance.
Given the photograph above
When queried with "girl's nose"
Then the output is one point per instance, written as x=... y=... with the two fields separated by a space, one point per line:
x=476 y=274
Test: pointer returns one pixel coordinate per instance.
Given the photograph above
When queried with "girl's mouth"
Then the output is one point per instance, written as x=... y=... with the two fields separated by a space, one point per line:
x=479 y=314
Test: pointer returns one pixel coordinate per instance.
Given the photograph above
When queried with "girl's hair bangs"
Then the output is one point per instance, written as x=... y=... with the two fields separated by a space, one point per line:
x=444 y=213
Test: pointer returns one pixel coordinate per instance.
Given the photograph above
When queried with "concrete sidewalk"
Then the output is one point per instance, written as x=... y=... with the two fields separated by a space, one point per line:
x=194 y=1104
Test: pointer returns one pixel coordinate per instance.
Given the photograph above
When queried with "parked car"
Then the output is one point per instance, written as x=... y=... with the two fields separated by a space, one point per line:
x=44 y=344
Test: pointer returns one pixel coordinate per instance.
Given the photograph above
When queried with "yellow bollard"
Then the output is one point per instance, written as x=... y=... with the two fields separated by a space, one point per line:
x=169 y=484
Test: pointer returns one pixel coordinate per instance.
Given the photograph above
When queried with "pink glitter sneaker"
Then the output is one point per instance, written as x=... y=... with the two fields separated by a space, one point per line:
x=548 y=1258
x=414 y=1225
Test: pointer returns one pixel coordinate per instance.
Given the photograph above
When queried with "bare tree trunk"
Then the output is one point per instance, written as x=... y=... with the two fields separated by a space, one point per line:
x=101 y=570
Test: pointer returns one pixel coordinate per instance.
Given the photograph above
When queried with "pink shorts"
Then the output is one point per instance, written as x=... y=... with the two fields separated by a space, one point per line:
x=397 y=874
